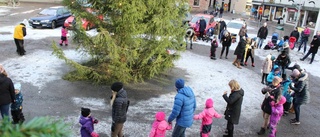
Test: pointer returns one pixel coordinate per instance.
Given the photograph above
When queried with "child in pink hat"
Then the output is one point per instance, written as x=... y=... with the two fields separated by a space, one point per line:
x=160 y=125
x=207 y=116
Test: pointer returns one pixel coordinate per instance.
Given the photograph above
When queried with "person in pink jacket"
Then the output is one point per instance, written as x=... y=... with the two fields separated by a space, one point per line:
x=64 y=33
x=207 y=116
x=160 y=125
x=277 y=112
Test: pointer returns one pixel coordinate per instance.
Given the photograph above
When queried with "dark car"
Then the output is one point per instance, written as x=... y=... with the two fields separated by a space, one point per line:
x=50 y=17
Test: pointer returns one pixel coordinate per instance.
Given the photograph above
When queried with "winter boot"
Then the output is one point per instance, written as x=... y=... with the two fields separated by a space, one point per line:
x=252 y=65
x=262 y=131
x=245 y=63
x=238 y=65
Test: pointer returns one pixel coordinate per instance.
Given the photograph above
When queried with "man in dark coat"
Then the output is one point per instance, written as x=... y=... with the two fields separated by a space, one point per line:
x=202 y=27
x=223 y=26
x=221 y=12
x=295 y=33
x=314 y=46
x=240 y=49
x=234 y=102
x=262 y=34
x=301 y=93
x=283 y=61
x=7 y=95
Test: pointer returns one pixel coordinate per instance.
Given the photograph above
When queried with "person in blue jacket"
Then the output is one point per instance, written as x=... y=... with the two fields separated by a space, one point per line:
x=274 y=72
x=287 y=94
x=183 y=109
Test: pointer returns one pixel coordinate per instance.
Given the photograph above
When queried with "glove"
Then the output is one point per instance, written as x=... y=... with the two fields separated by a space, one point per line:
x=94 y=134
x=95 y=121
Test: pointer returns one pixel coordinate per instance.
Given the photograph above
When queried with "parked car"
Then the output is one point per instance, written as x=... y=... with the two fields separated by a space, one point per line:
x=234 y=27
x=209 y=21
x=187 y=18
x=50 y=17
x=87 y=25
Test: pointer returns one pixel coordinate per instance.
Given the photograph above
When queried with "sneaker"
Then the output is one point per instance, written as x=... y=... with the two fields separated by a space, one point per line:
x=295 y=123
x=301 y=59
x=293 y=120
x=226 y=57
x=220 y=57
x=253 y=65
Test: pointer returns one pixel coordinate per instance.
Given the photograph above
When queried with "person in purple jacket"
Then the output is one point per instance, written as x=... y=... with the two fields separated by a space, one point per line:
x=87 y=121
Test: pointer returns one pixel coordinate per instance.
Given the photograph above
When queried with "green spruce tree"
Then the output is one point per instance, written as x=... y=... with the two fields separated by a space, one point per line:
x=132 y=41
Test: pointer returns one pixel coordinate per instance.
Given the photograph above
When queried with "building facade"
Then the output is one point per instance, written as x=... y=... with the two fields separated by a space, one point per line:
x=298 y=13
x=199 y=5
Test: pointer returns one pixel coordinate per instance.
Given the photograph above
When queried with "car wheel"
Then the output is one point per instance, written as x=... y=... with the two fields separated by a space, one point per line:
x=53 y=24
x=88 y=27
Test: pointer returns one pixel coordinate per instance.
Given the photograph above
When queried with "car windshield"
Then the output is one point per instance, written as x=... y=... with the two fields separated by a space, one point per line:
x=196 y=18
x=50 y=12
x=234 y=25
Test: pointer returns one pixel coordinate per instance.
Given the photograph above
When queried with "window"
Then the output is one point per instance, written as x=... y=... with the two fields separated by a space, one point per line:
x=196 y=2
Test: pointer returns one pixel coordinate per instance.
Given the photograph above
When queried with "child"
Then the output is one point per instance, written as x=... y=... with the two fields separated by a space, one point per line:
x=87 y=121
x=206 y=115
x=16 y=107
x=266 y=68
x=286 y=92
x=276 y=113
x=251 y=45
x=159 y=126
x=64 y=33
x=214 y=46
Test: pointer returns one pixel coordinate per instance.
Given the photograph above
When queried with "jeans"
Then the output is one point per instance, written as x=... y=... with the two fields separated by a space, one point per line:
x=303 y=41
x=178 y=131
x=4 y=110
x=260 y=42
x=296 y=107
x=312 y=56
x=227 y=50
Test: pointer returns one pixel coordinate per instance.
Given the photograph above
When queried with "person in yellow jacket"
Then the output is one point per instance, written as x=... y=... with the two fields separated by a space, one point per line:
x=20 y=32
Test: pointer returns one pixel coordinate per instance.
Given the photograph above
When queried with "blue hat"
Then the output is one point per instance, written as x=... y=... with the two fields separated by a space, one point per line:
x=179 y=83
x=17 y=86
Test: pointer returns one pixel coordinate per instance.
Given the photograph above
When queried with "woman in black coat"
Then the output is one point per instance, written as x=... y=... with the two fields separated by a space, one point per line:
x=120 y=104
x=239 y=52
x=7 y=95
x=234 y=102
x=314 y=46
x=226 y=43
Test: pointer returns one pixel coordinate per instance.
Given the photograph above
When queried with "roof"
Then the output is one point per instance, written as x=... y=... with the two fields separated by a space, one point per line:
x=56 y=7
x=204 y=15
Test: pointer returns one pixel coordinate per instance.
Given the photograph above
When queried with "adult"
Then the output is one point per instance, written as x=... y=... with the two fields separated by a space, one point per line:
x=304 y=39
x=240 y=49
x=262 y=34
x=7 y=94
x=221 y=12
x=189 y=36
x=183 y=109
x=223 y=26
x=295 y=33
x=301 y=93
x=20 y=32
x=283 y=61
x=202 y=27
x=243 y=31
x=120 y=103
x=274 y=90
x=226 y=43
x=314 y=46
x=234 y=102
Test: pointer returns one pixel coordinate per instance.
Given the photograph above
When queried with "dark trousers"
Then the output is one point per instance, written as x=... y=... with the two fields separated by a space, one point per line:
x=312 y=56
x=17 y=116
x=249 y=54
x=189 y=38
x=178 y=131
x=283 y=72
x=20 y=47
x=303 y=41
x=227 y=50
x=264 y=77
x=4 y=109
x=296 y=107
x=213 y=53
x=230 y=128
x=286 y=106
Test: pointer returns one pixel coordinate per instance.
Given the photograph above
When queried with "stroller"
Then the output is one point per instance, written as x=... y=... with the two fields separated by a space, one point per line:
x=292 y=41
x=209 y=34
x=274 y=38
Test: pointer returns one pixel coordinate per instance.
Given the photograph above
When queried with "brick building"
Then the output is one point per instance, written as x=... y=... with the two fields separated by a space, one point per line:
x=199 y=5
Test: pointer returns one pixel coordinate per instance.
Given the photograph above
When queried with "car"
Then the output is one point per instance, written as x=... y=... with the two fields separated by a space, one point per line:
x=187 y=18
x=208 y=18
x=50 y=17
x=87 y=25
x=234 y=27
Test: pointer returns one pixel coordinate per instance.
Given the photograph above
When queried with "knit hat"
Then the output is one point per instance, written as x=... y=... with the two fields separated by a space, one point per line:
x=160 y=115
x=179 y=83
x=17 y=86
x=296 y=66
x=277 y=69
x=85 y=112
x=209 y=103
x=117 y=86
x=295 y=73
